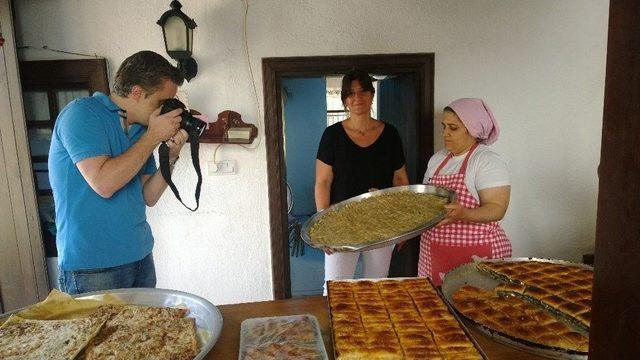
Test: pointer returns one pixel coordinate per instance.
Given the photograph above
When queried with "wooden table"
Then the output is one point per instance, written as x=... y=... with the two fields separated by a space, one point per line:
x=233 y=315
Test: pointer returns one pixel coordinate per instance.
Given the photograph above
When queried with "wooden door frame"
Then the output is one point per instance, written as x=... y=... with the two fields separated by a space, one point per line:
x=23 y=274
x=23 y=268
x=615 y=328
x=273 y=71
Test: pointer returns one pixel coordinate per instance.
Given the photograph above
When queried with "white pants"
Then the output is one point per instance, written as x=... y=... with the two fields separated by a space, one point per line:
x=342 y=265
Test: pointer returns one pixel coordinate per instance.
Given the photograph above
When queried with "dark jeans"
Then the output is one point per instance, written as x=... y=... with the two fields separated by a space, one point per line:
x=140 y=273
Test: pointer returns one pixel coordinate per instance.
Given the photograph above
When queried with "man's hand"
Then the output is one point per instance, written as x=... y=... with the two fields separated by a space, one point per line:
x=163 y=127
x=175 y=144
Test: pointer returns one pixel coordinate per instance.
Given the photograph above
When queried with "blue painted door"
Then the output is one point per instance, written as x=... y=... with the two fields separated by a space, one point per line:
x=304 y=119
x=397 y=106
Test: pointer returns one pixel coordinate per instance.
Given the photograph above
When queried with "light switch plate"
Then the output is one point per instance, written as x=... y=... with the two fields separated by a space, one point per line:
x=223 y=167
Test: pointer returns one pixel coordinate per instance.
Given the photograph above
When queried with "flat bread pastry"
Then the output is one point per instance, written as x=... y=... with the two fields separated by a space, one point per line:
x=144 y=332
x=161 y=339
x=564 y=289
x=394 y=319
x=517 y=318
x=119 y=314
x=46 y=339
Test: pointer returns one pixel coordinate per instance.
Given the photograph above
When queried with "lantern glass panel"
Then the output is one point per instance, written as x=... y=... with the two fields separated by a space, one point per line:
x=175 y=32
x=190 y=40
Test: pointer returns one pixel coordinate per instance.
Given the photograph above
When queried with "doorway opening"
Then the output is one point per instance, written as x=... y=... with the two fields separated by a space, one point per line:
x=47 y=87
x=294 y=127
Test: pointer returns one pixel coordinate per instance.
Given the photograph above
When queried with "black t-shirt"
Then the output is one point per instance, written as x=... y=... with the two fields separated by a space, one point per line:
x=357 y=169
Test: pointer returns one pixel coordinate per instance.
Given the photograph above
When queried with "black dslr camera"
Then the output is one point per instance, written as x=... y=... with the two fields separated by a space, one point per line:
x=188 y=122
x=194 y=127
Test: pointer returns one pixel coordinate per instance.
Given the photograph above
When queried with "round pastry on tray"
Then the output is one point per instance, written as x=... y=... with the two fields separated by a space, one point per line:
x=377 y=219
x=177 y=325
x=538 y=305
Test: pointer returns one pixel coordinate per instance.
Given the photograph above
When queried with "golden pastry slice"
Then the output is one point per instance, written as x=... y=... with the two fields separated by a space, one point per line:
x=395 y=319
x=517 y=318
x=564 y=289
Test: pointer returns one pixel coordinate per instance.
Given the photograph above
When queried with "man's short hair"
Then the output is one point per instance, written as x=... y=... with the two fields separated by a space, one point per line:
x=146 y=69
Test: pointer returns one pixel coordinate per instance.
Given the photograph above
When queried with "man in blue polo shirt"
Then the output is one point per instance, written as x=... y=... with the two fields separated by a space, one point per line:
x=103 y=175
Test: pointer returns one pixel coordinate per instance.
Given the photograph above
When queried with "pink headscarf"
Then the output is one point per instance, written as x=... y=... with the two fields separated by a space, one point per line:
x=477 y=118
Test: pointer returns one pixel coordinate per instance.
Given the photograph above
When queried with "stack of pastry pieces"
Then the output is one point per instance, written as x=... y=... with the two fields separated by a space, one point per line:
x=394 y=319
x=563 y=289
x=361 y=326
x=112 y=332
x=517 y=318
x=424 y=305
x=43 y=339
x=136 y=332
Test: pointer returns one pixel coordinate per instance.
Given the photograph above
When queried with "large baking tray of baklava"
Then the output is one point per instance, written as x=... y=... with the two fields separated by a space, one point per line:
x=403 y=318
x=541 y=306
x=377 y=219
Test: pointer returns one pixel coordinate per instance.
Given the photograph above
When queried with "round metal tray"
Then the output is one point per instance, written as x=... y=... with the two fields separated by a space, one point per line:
x=468 y=274
x=423 y=189
x=207 y=315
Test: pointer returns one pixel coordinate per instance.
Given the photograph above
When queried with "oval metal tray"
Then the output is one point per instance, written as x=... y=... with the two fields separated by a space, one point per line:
x=467 y=274
x=207 y=315
x=423 y=189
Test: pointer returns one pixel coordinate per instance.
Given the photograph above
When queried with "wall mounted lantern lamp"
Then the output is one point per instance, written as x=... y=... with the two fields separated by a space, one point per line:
x=177 y=30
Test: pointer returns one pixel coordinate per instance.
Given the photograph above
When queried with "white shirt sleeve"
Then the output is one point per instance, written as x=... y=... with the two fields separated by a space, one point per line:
x=490 y=171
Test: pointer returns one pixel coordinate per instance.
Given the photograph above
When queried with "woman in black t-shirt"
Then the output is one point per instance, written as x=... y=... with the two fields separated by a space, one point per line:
x=357 y=155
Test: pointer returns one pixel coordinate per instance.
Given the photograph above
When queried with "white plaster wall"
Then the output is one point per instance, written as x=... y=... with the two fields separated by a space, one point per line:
x=539 y=64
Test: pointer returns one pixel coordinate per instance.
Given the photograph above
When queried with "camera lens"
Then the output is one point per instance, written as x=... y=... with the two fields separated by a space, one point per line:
x=188 y=122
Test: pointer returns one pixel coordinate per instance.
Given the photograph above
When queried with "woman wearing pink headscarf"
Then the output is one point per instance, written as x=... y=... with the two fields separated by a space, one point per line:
x=481 y=180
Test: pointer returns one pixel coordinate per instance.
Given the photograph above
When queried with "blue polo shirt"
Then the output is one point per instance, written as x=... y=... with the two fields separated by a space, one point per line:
x=94 y=232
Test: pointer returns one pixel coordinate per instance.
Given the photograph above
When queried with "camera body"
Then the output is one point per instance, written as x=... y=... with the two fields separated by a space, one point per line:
x=188 y=122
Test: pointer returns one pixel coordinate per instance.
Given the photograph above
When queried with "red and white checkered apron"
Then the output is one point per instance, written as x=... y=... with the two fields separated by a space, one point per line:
x=445 y=247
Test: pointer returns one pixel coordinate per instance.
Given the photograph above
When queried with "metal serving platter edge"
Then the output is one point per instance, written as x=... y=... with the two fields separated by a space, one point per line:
x=423 y=189
x=467 y=274
x=207 y=315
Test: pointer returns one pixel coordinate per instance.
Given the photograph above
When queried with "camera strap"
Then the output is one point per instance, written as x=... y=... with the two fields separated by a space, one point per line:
x=163 y=152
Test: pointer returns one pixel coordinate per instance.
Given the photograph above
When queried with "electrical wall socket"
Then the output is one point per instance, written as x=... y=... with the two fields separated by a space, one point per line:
x=224 y=167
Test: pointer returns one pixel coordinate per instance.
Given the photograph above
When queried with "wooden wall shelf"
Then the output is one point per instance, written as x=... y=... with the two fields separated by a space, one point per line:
x=225 y=130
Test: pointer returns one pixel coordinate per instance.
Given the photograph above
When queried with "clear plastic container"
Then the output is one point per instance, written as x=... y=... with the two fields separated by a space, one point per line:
x=282 y=337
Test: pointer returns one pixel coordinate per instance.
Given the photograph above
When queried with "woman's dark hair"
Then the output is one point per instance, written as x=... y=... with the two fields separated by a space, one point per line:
x=146 y=69
x=363 y=78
